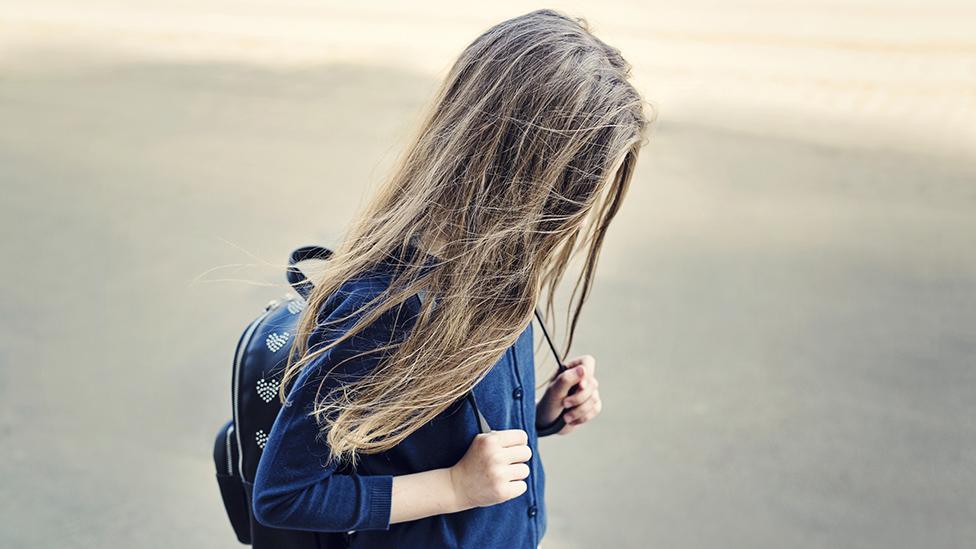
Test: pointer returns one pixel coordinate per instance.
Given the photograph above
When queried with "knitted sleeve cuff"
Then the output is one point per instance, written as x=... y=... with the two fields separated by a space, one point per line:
x=379 y=499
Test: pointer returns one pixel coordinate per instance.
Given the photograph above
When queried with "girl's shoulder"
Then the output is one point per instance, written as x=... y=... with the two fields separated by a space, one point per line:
x=358 y=297
x=339 y=313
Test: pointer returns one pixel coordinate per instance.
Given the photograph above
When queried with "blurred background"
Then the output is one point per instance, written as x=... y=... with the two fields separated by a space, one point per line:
x=783 y=320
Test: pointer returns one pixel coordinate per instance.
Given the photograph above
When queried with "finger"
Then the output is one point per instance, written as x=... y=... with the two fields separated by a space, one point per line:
x=578 y=412
x=512 y=437
x=518 y=471
x=569 y=428
x=586 y=361
x=566 y=380
x=585 y=391
x=582 y=412
x=516 y=488
x=516 y=454
x=590 y=414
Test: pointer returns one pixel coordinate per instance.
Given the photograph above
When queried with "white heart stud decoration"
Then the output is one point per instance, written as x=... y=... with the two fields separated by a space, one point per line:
x=261 y=438
x=267 y=389
x=276 y=341
x=295 y=307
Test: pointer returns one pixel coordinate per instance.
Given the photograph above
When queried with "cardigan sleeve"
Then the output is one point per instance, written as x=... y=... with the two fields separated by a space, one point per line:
x=296 y=487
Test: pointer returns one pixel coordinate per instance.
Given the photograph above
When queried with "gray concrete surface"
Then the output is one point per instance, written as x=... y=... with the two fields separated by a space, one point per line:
x=784 y=324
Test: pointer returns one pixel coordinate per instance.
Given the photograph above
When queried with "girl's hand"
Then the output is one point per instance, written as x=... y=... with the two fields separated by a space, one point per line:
x=581 y=406
x=492 y=470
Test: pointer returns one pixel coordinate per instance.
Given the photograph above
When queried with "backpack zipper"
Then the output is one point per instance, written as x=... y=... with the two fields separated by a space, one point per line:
x=238 y=360
x=230 y=456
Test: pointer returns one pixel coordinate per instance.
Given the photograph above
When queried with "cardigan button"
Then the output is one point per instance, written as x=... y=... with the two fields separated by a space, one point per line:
x=517 y=393
x=533 y=511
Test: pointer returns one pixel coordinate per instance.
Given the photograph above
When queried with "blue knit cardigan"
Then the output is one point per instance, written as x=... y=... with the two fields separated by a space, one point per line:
x=295 y=488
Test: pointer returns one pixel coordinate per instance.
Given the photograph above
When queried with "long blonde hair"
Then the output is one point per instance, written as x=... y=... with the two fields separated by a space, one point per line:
x=522 y=162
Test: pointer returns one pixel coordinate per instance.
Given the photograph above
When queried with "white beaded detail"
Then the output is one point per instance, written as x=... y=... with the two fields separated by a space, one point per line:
x=261 y=438
x=276 y=341
x=295 y=307
x=267 y=389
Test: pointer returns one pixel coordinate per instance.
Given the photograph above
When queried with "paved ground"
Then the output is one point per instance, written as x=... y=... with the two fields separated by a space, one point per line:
x=784 y=316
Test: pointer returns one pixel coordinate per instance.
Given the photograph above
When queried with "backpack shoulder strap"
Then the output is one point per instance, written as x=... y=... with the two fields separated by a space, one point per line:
x=557 y=424
x=295 y=276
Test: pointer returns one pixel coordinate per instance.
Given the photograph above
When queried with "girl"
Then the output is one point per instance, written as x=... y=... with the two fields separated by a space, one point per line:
x=523 y=160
